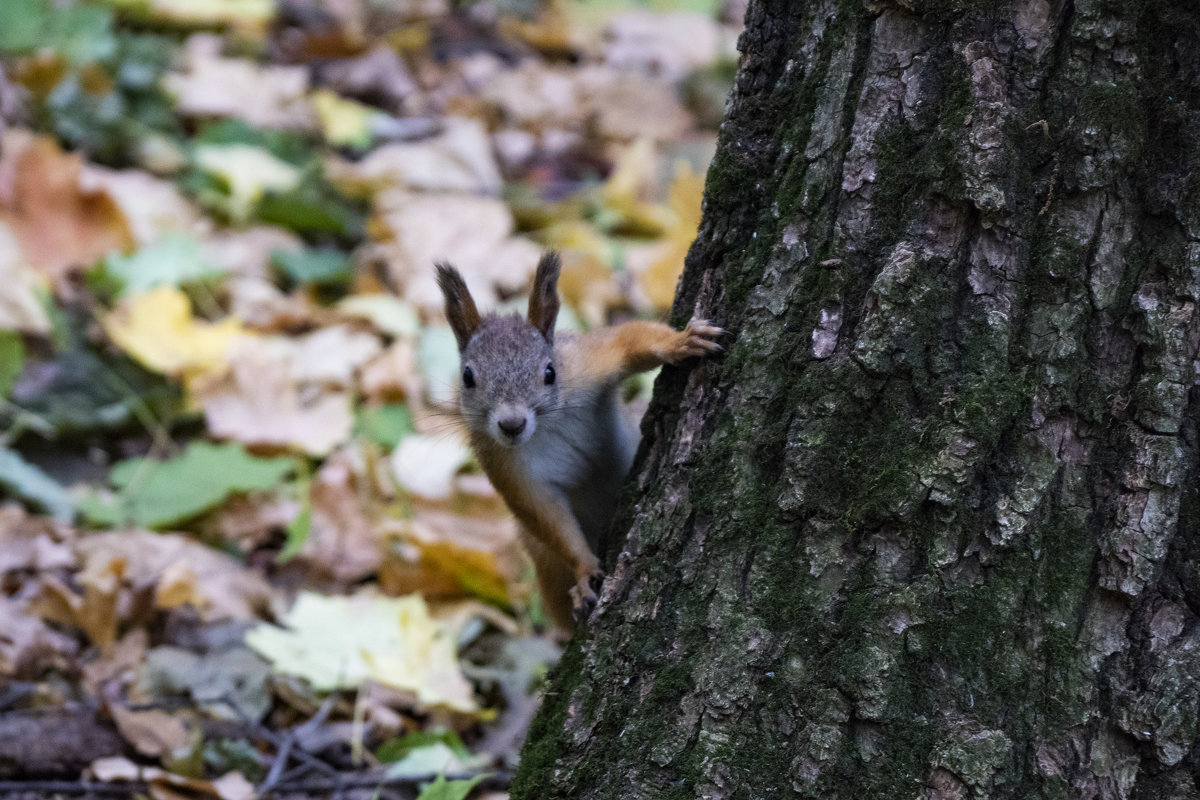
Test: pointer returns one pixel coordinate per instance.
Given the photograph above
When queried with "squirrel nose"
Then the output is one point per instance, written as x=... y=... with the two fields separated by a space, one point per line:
x=512 y=426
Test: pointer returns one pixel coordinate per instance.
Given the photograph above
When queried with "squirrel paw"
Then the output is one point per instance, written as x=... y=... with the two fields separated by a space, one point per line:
x=583 y=596
x=696 y=339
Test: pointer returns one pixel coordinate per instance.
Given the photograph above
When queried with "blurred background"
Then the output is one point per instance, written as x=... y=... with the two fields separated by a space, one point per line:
x=231 y=498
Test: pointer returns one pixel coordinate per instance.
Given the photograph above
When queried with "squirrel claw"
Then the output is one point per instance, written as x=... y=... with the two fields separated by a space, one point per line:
x=697 y=340
x=583 y=596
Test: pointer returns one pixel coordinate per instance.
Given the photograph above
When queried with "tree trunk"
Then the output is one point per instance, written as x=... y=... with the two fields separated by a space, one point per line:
x=929 y=529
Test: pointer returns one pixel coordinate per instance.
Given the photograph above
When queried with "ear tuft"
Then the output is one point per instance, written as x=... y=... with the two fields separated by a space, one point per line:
x=460 y=306
x=543 y=302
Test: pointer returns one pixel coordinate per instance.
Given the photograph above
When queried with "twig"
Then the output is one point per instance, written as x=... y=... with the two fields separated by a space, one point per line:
x=73 y=787
x=284 y=750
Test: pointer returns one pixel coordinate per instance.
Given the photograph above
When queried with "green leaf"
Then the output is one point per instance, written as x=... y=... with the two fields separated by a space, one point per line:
x=398 y=748
x=442 y=789
x=323 y=267
x=386 y=424
x=81 y=34
x=20 y=478
x=314 y=207
x=12 y=360
x=156 y=494
x=173 y=260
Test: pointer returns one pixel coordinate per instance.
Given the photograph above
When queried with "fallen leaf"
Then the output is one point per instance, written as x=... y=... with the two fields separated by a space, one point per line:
x=27 y=481
x=158 y=330
x=283 y=392
x=228 y=590
x=264 y=96
x=95 y=611
x=27 y=645
x=32 y=544
x=481 y=554
x=58 y=225
x=387 y=313
x=658 y=280
x=338 y=642
x=150 y=206
x=117 y=664
x=344 y=543
x=344 y=123
x=152 y=733
x=246 y=15
x=21 y=308
x=442 y=789
x=249 y=172
x=473 y=233
x=459 y=159
x=426 y=465
x=668 y=45
x=173 y=260
x=229 y=684
x=157 y=494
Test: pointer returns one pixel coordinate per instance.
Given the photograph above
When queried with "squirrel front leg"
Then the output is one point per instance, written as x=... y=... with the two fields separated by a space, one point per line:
x=613 y=354
x=547 y=518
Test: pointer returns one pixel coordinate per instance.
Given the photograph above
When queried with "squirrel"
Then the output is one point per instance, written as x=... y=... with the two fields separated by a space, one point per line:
x=543 y=417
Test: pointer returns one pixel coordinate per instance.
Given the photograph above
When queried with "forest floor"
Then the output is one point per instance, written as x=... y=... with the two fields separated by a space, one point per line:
x=244 y=551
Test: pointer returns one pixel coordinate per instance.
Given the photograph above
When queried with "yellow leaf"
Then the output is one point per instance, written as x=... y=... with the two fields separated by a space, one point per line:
x=157 y=329
x=337 y=642
x=249 y=172
x=684 y=198
x=344 y=122
x=243 y=14
x=622 y=193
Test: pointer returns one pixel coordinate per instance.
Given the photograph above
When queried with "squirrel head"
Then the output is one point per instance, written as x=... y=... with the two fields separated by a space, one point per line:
x=509 y=374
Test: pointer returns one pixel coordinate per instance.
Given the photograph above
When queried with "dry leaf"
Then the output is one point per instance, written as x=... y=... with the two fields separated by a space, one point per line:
x=668 y=46
x=95 y=611
x=426 y=465
x=658 y=280
x=473 y=233
x=58 y=225
x=481 y=554
x=27 y=645
x=31 y=543
x=212 y=86
x=151 y=206
x=20 y=308
x=247 y=252
x=152 y=733
x=224 y=589
x=459 y=159
x=117 y=664
x=344 y=543
x=157 y=329
x=282 y=392
x=338 y=642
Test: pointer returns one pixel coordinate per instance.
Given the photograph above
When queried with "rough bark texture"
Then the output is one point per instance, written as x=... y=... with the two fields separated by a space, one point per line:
x=930 y=528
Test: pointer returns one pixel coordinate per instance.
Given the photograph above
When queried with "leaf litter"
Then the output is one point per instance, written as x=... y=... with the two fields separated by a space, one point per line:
x=243 y=547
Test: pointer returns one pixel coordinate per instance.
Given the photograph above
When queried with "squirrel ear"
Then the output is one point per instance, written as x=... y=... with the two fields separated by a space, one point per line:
x=460 y=306
x=543 y=302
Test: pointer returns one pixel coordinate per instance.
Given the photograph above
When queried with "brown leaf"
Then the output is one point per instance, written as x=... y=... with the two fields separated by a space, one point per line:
x=152 y=733
x=473 y=233
x=117 y=664
x=345 y=542
x=59 y=225
x=27 y=645
x=213 y=86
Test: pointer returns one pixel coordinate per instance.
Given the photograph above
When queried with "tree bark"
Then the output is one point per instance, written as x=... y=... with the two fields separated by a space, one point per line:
x=930 y=528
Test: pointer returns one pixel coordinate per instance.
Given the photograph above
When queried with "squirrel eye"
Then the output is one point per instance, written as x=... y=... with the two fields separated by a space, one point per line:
x=549 y=374
x=468 y=378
